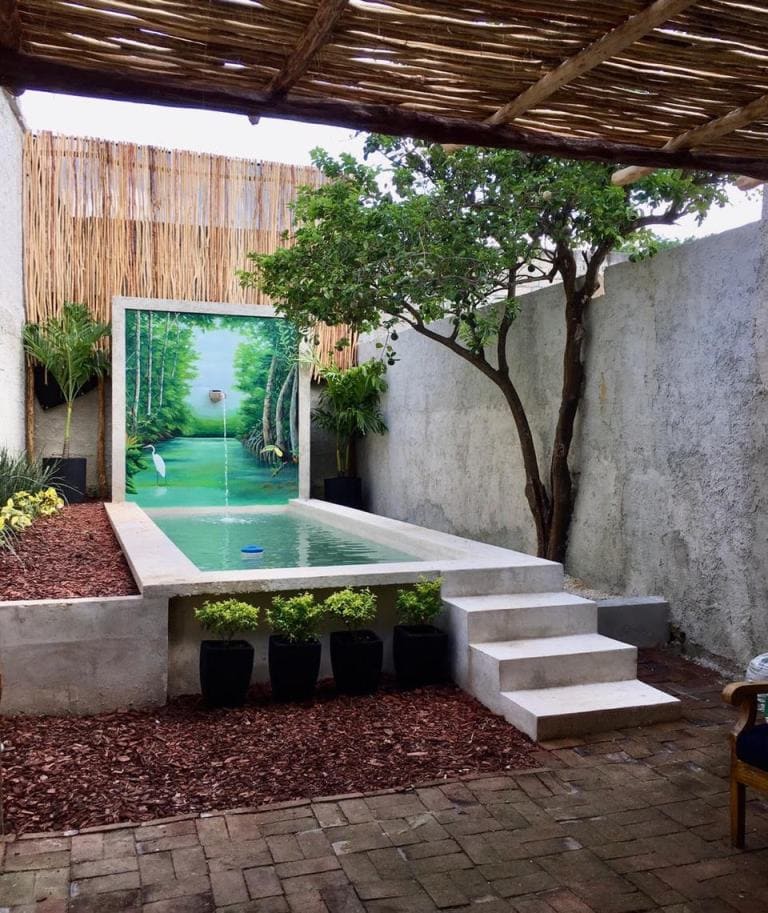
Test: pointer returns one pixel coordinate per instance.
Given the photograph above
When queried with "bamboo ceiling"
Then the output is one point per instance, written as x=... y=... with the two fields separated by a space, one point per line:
x=625 y=81
x=104 y=219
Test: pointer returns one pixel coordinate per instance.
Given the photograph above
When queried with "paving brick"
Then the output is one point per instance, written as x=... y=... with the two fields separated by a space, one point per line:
x=306 y=902
x=356 y=811
x=262 y=882
x=284 y=848
x=306 y=866
x=379 y=889
x=228 y=888
x=38 y=845
x=317 y=880
x=178 y=887
x=201 y=903
x=104 y=867
x=189 y=861
x=51 y=883
x=54 y=860
x=357 y=837
x=156 y=867
x=17 y=888
x=237 y=854
x=329 y=814
x=114 y=902
x=87 y=846
x=341 y=899
x=212 y=830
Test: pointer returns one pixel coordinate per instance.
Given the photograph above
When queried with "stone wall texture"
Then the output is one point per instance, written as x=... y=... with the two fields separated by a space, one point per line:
x=670 y=457
x=11 y=280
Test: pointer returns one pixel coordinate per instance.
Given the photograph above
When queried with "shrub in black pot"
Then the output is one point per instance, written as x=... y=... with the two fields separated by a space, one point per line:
x=226 y=664
x=357 y=653
x=420 y=650
x=294 y=650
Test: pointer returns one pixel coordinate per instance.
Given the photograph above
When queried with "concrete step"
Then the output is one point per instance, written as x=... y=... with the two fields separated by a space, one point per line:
x=507 y=616
x=549 y=713
x=525 y=575
x=549 y=662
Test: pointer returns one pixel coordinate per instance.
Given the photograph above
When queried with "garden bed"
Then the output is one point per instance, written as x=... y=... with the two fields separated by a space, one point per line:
x=73 y=772
x=69 y=555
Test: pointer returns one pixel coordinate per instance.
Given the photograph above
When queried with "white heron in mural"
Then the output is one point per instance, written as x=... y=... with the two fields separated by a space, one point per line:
x=158 y=461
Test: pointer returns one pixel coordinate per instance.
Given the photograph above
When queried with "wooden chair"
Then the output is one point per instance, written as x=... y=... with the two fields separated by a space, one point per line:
x=749 y=751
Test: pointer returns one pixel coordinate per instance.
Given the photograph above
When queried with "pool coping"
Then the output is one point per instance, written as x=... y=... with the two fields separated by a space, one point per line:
x=161 y=569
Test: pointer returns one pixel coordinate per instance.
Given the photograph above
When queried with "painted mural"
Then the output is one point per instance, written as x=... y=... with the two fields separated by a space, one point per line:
x=211 y=410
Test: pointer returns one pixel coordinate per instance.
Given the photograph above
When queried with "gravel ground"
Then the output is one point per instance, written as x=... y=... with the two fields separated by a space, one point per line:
x=72 y=772
x=73 y=553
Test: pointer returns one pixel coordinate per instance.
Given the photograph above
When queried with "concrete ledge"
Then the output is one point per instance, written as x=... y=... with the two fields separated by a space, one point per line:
x=83 y=655
x=639 y=620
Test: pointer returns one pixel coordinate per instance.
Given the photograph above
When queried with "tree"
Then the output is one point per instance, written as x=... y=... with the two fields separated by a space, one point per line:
x=442 y=242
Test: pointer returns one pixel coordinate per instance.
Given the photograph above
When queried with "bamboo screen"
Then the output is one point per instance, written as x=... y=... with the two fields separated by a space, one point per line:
x=104 y=219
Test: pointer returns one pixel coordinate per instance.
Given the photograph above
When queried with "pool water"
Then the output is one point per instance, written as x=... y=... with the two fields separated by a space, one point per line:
x=195 y=476
x=214 y=541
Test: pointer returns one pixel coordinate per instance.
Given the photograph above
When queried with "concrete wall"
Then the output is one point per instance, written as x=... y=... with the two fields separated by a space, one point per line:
x=11 y=279
x=670 y=449
x=83 y=655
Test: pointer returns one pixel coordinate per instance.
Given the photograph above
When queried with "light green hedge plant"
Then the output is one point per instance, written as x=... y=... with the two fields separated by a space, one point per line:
x=228 y=617
x=296 y=618
x=354 y=608
x=420 y=604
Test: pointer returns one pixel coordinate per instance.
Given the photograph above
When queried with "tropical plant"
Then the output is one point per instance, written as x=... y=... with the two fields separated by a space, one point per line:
x=443 y=241
x=353 y=608
x=228 y=617
x=67 y=346
x=135 y=461
x=349 y=405
x=420 y=604
x=19 y=511
x=20 y=473
x=295 y=618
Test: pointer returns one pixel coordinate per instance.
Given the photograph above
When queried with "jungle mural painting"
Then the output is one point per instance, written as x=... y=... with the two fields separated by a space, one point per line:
x=211 y=408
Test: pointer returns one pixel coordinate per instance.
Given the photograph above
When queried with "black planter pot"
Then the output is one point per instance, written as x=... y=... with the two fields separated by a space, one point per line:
x=344 y=490
x=356 y=659
x=293 y=668
x=420 y=654
x=68 y=477
x=225 y=671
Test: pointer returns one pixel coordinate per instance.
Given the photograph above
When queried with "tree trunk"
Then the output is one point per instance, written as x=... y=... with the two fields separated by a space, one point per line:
x=282 y=399
x=149 y=367
x=162 y=360
x=267 y=432
x=136 y=375
x=293 y=416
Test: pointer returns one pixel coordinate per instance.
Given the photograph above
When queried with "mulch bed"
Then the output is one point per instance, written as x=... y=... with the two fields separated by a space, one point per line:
x=71 y=554
x=73 y=772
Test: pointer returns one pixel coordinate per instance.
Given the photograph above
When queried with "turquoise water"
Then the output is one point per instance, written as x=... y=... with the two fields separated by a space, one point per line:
x=195 y=476
x=213 y=542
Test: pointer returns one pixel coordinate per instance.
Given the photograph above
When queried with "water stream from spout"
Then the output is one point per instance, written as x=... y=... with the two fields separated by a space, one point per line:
x=226 y=453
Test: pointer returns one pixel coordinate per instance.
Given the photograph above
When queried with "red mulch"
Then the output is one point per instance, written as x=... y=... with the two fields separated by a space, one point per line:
x=73 y=553
x=71 y=772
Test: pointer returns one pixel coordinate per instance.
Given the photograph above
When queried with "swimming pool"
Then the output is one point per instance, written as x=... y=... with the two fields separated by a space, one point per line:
x=214 y=541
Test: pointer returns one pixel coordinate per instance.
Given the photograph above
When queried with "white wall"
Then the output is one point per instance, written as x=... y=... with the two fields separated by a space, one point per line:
x=671 y=448
x=11 y=279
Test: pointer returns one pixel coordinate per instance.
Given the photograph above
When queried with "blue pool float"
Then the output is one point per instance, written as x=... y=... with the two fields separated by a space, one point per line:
x=251 y=549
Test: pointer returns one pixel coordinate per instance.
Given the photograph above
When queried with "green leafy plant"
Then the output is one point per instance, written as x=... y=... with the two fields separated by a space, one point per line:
x=228 y=617
x=295 y=618
x=349 y=405
x=19 y=473
x=18 y=513
x=135 y=461
x=420 y=604
x=67 y=347
x=354 y=608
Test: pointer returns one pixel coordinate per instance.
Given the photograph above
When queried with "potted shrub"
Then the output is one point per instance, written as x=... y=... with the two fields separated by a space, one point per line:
x=294 y=650
x=356 y=652
x=226 y=664
x=67 y=348
x=419 y=649
x=349 y=408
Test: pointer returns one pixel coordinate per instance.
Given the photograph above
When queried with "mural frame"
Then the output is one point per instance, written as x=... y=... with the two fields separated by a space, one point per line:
x=121 y=304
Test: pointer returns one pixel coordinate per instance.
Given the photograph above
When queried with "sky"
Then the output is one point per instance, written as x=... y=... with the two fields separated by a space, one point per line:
x=270 y=140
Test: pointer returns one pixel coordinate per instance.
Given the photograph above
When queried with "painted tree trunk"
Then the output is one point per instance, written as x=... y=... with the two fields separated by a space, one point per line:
x=283 y=400
x=267 y=431
x=149 y=366
x=166 y=333
x=293 y=417
x=136 y=374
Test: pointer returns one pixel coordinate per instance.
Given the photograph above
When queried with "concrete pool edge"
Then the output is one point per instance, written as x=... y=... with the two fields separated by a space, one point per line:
x=161 y=569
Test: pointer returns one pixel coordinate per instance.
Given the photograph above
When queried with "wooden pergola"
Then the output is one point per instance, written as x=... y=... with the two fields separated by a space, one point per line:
x=671 y=83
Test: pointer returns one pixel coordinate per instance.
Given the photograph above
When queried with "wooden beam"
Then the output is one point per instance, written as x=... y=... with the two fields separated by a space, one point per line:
x=745 y=183
x=10 y=25
x=593 y=55
x=35 y=73
x=757 y=109
x=317 y=33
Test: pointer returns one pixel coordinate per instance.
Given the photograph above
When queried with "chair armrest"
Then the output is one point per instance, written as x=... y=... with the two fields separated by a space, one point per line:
x=744 y=696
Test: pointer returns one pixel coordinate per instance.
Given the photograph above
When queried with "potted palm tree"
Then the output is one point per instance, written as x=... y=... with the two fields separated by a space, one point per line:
x=226 y=664
x=294 y=650
x=67 y=347
x=419 y=649
x=356 y=652
x=349 y=408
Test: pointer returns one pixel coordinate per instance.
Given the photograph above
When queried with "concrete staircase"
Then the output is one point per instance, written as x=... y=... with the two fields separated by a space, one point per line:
x=536 y=658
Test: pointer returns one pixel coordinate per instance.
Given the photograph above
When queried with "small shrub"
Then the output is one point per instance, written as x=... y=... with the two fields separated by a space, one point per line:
x=295 y=617
x=18 y=512
x=420 y=604
x=228 y=617
x=354 y=608
x=18 y=473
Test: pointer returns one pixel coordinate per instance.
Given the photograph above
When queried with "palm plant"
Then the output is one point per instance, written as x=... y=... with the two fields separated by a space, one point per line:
x=67 y=347
x=349 y=406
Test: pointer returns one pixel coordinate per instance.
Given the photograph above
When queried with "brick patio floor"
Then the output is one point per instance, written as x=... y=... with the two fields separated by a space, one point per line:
x=618 y=822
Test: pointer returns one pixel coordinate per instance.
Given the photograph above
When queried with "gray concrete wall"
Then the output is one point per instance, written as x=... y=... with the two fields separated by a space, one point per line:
x=83 y=655
x=671 y=444
x=11 y=279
